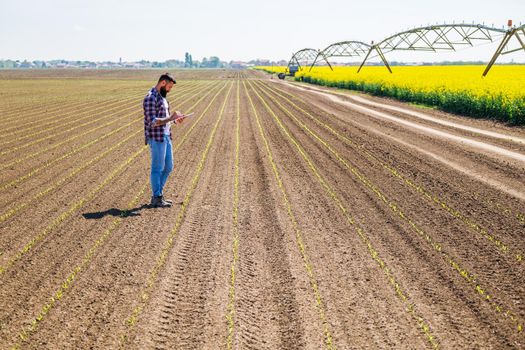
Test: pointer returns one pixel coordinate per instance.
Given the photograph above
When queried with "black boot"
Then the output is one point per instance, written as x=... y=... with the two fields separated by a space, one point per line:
x=159 y=202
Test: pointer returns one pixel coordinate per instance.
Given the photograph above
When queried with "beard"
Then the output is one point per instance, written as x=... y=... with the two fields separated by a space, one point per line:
x=163 y=91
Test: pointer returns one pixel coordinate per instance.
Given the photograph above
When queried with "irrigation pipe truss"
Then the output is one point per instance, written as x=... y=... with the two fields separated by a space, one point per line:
x=433 y=38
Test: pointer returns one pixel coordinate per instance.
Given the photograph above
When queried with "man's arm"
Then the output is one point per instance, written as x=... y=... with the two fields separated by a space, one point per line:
x=163 y=121
x=176 y=116
x=150 y=111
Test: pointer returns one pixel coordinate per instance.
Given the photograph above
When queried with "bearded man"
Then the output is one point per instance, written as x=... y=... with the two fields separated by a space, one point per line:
x=157 y=132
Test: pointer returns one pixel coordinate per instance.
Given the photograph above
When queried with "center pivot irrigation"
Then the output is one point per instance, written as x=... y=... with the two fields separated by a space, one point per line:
x=433 y=38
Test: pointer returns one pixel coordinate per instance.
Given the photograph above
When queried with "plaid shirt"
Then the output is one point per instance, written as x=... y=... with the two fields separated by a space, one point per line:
x=153 y=109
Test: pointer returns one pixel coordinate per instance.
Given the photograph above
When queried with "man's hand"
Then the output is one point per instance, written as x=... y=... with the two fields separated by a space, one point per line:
x=179 y=120
x=177 y=117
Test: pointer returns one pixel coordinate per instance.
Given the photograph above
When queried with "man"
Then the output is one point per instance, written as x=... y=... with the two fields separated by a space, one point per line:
x=157 y=131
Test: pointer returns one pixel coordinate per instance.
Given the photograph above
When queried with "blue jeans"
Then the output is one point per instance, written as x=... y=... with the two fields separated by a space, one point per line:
x=161 y=164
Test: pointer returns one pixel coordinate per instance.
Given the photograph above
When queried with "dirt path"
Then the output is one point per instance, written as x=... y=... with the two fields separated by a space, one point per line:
x=302 y=221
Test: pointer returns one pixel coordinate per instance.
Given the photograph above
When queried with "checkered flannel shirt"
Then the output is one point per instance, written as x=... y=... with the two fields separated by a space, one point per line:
x=153 y=109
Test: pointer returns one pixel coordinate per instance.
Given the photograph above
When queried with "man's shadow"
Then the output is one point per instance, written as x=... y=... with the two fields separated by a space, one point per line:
x=116 y=212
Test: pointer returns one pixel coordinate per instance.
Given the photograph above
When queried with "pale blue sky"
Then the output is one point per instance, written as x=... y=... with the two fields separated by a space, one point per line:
x=231 y=29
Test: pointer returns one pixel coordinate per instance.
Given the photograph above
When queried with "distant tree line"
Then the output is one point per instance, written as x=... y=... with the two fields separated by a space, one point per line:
x=206 y=62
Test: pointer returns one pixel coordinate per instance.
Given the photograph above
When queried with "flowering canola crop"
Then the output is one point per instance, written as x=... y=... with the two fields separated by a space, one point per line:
x=458 y=89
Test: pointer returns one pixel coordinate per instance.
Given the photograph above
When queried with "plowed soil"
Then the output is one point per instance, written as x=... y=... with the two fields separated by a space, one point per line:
x=303 y=218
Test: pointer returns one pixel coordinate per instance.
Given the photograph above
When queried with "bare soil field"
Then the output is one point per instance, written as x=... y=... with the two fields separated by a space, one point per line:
x=304 y=218
x=113 y=74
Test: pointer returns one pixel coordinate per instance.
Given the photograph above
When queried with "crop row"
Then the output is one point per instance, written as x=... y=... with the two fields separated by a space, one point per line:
x=420 y=189
x=26 y=332
x=396 y=209
x=145 y=294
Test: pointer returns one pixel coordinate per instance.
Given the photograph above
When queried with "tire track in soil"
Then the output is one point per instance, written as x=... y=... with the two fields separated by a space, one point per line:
x=159 y=267
x=501 y=276
x=364 y=308
x=502 y=332
x=230 y=310
x=253 y=326
x=487 y=274
x=181 y=315
x=44 y=311
x=183 y=309
x=297 y=311
x=418 y=188
x=502 y=208
x=492 y=263
x=44 y=267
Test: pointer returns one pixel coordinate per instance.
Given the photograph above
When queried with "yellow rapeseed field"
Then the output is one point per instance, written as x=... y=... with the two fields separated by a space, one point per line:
x=459 y=89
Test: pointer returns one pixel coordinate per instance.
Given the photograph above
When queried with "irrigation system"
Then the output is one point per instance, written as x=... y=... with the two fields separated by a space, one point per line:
x=433 y=38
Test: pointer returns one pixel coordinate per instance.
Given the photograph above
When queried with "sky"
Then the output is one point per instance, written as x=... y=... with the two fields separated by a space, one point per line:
x=100 y=30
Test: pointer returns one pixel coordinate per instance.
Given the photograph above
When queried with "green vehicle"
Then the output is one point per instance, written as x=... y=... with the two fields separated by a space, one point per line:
x=290 y=71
